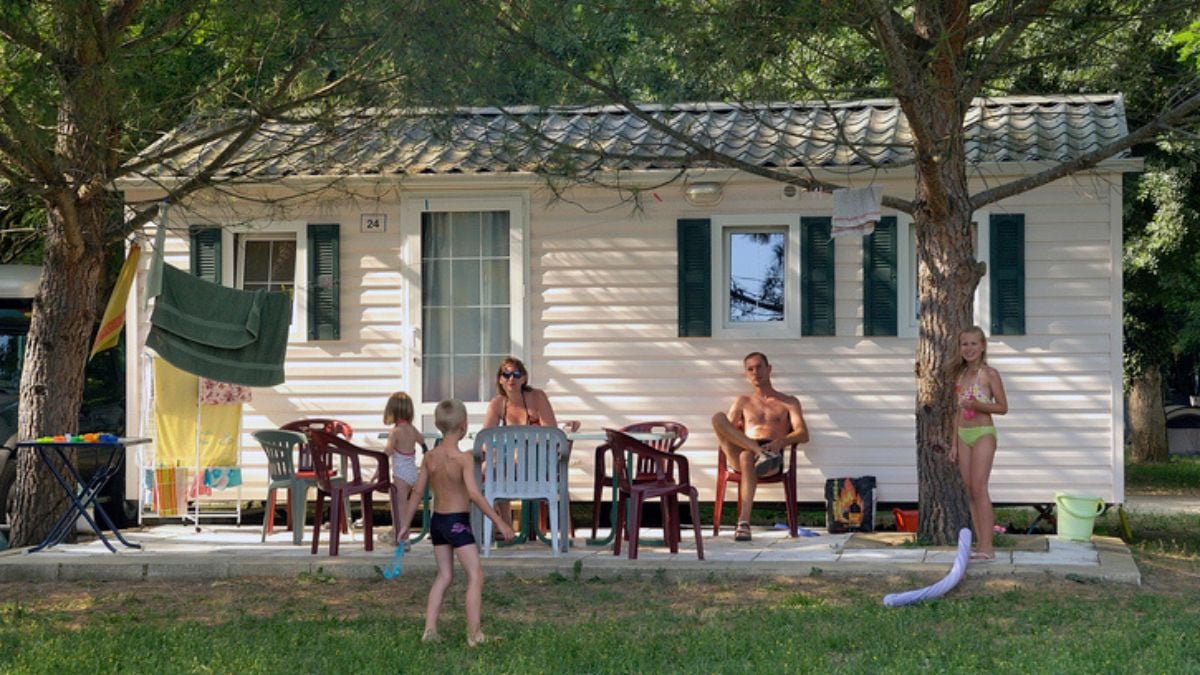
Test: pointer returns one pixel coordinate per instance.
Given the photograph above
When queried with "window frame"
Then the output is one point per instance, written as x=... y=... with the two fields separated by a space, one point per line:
x=722 y=327
x=240 y=255
x=411 y=210
x=908 y=324
x=230 y=276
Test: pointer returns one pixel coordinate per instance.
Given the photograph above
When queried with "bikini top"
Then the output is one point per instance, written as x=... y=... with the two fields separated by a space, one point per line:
x=973 y=392
x=531 y=417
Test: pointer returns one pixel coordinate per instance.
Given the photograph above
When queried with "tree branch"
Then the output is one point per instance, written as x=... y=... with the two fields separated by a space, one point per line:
x=1014 y=25
x=27 y=39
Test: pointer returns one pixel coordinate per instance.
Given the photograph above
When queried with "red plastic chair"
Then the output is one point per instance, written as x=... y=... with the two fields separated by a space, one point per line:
x=340 y=488
x=787 y=476
x=670 y=480
x=328 y=426
x=304 y=462
x=644 y=469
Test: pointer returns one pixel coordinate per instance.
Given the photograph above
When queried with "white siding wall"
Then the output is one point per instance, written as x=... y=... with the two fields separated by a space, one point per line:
x=603 y=343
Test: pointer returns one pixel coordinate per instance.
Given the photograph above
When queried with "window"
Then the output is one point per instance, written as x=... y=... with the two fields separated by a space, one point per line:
x=290 y=257
x=759 y=283
x=266 y=262
x=1000 y=296
x=768 y=275
x=756 y=265
x=465 y=302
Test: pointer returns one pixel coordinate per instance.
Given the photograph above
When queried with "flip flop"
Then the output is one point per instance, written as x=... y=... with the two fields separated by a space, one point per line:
x=982 y=557
x=742 y=532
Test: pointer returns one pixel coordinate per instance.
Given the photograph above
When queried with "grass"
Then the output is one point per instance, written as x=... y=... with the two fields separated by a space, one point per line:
x=1177 y=475
x=580 y=624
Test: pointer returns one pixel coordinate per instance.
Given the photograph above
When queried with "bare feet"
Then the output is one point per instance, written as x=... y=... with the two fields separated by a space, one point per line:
x=477 y=639
x=430 y=635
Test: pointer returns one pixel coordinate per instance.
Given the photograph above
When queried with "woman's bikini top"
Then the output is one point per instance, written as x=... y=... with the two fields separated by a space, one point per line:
x=531 y=418
x=973 y=392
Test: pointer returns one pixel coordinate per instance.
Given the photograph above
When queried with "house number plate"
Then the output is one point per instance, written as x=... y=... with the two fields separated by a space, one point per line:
x=374 y=222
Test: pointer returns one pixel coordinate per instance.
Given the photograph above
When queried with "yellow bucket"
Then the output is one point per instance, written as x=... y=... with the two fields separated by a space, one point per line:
x=1077 y=515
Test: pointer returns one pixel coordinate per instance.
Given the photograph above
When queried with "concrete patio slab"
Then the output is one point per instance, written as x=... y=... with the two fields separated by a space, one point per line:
x=175 y=551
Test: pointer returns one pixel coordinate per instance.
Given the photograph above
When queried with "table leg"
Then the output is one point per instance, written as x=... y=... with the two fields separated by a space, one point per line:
x=63 y=525
x=612 y=518
x=80 y=500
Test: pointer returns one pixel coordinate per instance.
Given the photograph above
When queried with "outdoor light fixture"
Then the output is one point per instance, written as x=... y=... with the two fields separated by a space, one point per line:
x=703 y=194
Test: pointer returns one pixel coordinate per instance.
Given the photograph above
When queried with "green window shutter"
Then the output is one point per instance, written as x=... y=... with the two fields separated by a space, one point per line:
x=324 y=283
x=1007 y=268
x=206 y=253
x=695 y=277
x=879 y=279
x=816 y=277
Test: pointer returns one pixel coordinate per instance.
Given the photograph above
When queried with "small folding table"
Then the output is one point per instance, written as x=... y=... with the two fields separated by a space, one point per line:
x=81 y=493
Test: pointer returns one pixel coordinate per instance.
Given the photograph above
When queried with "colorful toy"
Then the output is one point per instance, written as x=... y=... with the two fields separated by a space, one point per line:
x=79 y=438
x=393 y=569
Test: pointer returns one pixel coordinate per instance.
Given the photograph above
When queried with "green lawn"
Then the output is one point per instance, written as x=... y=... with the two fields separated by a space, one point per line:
x=581 y=625
x=650 y=623
x=1179 y=475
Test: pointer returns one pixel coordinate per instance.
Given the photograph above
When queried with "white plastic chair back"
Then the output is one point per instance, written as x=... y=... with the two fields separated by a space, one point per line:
x=526 y=462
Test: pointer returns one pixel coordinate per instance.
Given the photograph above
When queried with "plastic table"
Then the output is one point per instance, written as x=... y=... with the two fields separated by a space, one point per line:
x=81 y=493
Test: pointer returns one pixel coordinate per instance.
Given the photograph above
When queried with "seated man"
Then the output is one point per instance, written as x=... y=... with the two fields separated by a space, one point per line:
x=755 y=432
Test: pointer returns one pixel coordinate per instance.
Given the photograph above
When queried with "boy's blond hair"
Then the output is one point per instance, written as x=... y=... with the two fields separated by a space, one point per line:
x=399 y=407
x=450 y=415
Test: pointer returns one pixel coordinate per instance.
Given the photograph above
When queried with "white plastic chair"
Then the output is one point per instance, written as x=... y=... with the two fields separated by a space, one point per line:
x=525 y=462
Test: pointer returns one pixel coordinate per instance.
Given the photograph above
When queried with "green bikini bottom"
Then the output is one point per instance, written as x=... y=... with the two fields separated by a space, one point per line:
x=970 y=435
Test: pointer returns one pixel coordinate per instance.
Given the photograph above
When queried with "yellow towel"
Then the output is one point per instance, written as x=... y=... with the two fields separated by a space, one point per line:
x=175 y=410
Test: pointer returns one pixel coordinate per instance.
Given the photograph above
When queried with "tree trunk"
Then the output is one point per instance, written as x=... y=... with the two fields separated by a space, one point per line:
x=928 y=84
x=1147 y=420
x=52 y=384
x=77 y=229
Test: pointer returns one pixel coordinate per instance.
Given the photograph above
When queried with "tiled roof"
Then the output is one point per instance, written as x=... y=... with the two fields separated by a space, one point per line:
x=791 y=135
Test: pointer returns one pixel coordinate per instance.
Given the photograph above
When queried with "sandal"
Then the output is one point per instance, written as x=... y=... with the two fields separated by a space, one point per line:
x=742 y=531
x=982 y=557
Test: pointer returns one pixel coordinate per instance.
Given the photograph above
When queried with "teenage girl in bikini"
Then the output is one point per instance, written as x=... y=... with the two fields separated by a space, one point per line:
x=980 y=393
x=516 y=403
x=401 y=449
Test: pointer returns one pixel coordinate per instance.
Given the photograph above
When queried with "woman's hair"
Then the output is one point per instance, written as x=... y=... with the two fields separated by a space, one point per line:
x=399 y=407
x=449 y=415
x=958 y=364
x=512 y=363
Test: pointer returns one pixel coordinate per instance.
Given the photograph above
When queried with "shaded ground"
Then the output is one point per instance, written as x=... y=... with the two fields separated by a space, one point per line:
x=506 y=597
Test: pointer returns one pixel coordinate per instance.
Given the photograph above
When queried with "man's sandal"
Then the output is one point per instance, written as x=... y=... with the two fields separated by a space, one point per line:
x=742 y=531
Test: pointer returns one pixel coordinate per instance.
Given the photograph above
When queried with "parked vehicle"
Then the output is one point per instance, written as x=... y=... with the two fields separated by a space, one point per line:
x=103 y=407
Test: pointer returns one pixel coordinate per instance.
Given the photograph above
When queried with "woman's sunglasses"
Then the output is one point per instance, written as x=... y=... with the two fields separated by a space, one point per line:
x=509 y=374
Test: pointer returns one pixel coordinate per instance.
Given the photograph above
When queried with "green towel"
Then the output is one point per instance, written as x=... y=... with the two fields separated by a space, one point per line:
x=221 y=333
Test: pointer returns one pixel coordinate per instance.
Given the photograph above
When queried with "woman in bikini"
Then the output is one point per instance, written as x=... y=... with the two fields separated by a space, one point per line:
x=516 y=403
x=980 y=394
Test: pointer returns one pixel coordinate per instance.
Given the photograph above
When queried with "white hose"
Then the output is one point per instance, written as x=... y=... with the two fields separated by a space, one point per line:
x=945 y=584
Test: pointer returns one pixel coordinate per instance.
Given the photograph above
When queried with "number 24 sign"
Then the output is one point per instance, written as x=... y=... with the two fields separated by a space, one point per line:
x=374 y=222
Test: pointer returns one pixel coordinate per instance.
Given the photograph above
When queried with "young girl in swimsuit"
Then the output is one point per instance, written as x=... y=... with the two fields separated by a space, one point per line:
x=980 y=394
x=401 y=449
x=516 y=403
